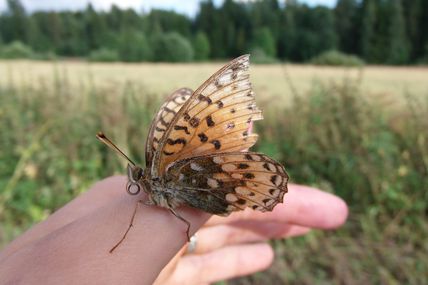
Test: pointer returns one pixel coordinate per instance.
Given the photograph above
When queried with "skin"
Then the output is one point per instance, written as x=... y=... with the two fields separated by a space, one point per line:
x=72 y=245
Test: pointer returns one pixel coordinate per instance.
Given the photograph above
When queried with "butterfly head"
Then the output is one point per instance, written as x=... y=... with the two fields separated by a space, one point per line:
x=135 y=174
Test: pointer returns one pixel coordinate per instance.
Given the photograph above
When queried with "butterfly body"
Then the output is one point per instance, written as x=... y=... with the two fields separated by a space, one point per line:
x=168 y=194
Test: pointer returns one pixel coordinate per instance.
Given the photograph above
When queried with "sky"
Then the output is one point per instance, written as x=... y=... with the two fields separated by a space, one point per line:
x=188 y=7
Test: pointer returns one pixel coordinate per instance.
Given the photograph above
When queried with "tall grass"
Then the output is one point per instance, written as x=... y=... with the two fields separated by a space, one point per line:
x=331 y=138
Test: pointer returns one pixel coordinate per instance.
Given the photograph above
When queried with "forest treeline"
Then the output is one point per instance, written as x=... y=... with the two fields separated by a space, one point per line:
x=377 y=31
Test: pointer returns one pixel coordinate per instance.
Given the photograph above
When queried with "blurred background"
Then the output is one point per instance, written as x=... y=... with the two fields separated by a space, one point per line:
x=343 y=85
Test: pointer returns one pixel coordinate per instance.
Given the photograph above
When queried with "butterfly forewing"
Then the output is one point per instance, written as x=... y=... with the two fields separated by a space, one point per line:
x=229 y=182
x=216 y=118
x=163 y=119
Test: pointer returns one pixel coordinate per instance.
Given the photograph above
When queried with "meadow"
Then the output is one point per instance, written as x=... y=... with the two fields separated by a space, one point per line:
x=360 y=133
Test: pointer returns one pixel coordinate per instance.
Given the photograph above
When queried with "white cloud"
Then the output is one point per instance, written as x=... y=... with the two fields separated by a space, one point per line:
x=328 y=3
x=188 y=7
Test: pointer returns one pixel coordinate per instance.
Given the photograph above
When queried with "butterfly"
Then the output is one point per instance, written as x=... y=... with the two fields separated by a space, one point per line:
x=196 y=150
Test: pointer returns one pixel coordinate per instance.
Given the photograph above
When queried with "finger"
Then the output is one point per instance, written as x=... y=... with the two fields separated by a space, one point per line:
x=303 y=205
x=100 y=194
x=169 y=269
x=212 y=238
x=224 y=263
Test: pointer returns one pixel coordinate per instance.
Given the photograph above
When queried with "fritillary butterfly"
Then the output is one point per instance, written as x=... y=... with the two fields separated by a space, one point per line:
x=196 y=150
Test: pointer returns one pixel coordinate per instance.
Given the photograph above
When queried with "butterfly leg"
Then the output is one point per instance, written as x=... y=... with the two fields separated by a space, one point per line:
x=184 y=220
x=129 y=226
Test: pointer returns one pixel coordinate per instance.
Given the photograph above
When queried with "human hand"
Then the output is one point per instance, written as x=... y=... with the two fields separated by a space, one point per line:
x=72 y=245
x=236 y=245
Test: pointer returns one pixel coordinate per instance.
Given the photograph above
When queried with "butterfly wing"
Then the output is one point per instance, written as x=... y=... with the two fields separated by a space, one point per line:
x=215 y=118
x=162 y=120
x=221 y=183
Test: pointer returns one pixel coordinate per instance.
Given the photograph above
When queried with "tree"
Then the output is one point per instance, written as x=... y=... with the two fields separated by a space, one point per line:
x=288 y=31
x=172 y=47
x=14 y=23
x=345 y=16
x=266 y=14
x=95 y=28
x=169 y=21
x=380 y=31
x=208 y=20
x=368 y=33
x=73 y=35
x=413 y=14
x=134 y=46
x=16 y=49
x=264 y=40
x=234 y=21
x=314 y=32
x=424 y=36
x=398 y=48
x=201 y=46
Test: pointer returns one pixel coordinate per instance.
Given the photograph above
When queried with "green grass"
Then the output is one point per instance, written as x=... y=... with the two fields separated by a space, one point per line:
x=332 y=137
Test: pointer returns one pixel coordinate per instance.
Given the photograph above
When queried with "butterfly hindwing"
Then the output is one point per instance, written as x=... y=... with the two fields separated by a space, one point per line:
x=215 y=118
x=163 y=119
x=225 y=182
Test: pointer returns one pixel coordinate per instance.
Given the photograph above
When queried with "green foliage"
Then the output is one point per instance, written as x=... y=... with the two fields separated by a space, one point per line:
x=14 y=23
x=259 y=56
x=172 y=47
x=134 y=46
x=168 y=21
x=49 y=55
x=265 y=41
x=424 y=59
x=16 y=50
x=415 y=17
x=336 y=58
x=398 y=52
x=384 y=31
x=346 y=25
x=358 y=149
x=104 y=54
x=201 y=45
x=311 y=32
x=383 y=36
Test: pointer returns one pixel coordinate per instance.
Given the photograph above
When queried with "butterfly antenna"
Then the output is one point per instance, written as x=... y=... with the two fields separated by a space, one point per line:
x=102 y=137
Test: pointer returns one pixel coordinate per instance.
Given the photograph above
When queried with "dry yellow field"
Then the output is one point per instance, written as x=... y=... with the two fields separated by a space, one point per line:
x=387 y=83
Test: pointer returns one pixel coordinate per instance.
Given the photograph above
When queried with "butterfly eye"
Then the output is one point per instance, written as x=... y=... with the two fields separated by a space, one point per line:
x=132 y=188
x=140 y=173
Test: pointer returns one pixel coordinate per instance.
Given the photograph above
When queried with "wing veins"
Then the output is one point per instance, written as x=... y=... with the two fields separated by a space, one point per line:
x=223 y=87
x=158 y=154
x=252 y=99
x=241 y=144
x=247 y=186
x=190 y=150
x=195 y=133
x=210 y=191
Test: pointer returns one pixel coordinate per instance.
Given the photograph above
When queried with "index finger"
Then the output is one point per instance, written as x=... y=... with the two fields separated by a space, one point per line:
x=303 y=205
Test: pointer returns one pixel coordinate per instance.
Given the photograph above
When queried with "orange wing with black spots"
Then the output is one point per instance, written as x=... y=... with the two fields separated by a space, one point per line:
x=215 y=118
x=225 y=182
x=162 y=121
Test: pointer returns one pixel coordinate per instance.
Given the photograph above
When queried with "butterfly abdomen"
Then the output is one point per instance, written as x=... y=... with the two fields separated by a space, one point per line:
x=204 y=201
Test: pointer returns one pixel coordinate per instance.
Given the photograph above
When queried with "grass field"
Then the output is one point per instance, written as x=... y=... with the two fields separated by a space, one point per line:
x=385 y=83
x=330 y=128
